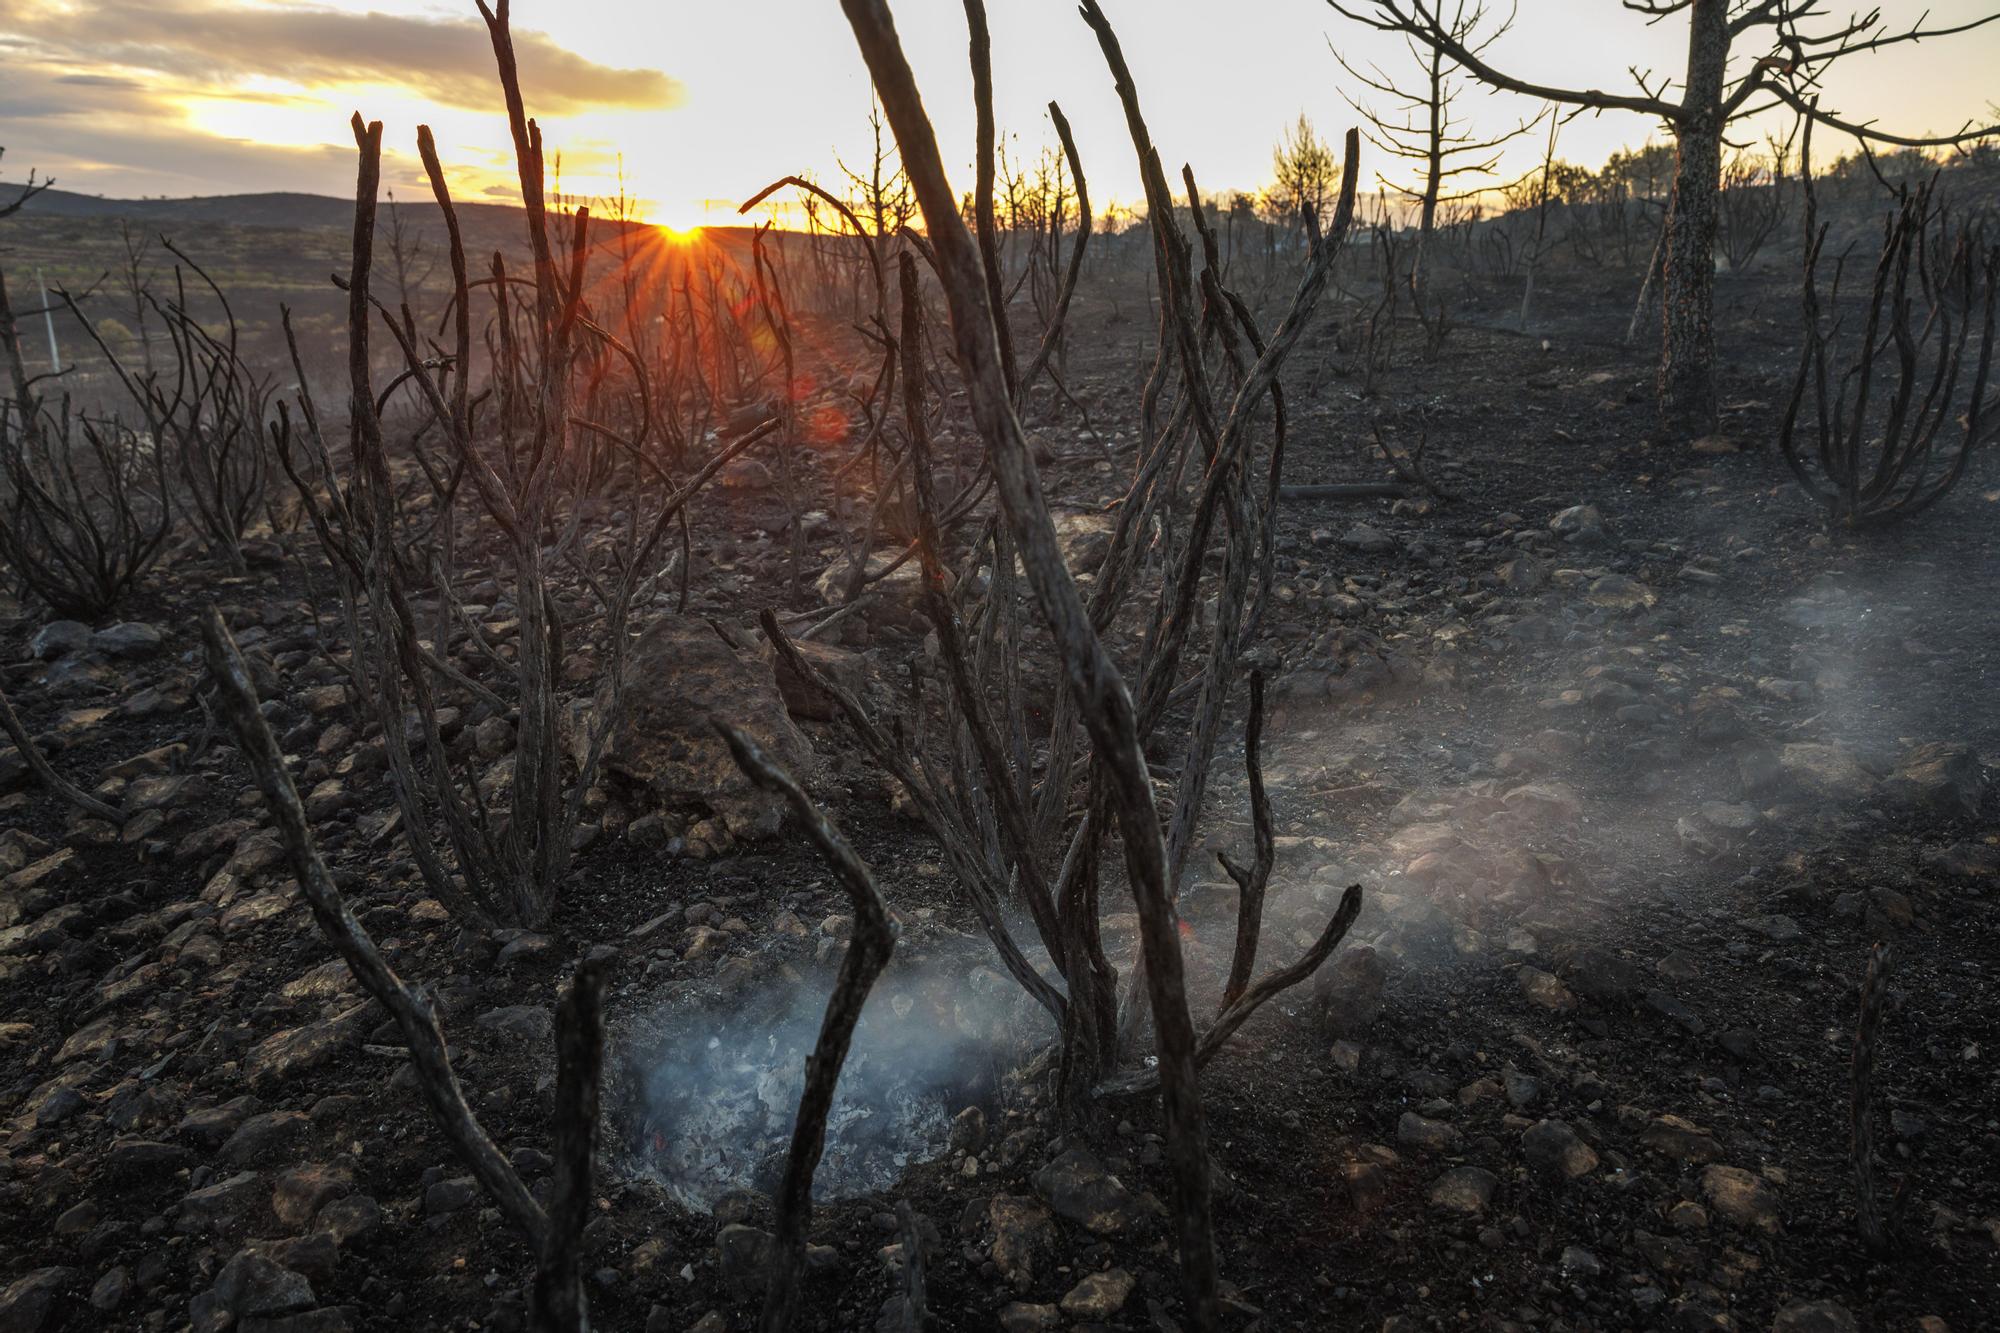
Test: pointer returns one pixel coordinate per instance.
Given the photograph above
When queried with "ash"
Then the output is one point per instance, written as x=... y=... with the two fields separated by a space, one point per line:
x=721 y=1085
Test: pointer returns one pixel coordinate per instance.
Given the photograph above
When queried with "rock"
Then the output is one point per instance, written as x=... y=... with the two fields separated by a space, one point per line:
x=1022 y=1317
x=128 y=638
x=1681 y=1140
x=678 y=676
x=265 y=1136
x=1465 y=1190
x=524 y=946
x=1943 y=781
x=1777 y=928
x=27 y=1303
x=26 y=890
x=1814 y=1317
x=746 y=1254
x=300 y=1192
x=968 y=1130
x=59 y=638
x=1350 y=992
x=1099 y=1296
x=803 y=696
x=221 y=1208
x=1554 y=1152
x=1424 y=1134
x=493 y=738
x=450 y=1196
x=1580 y=525
x=211 y=1126
x=1826 y=771
x=523 y=1027
x=288 y=1054
x=1615 y=592
x=1676 y=1012
x=1544 y=991
x=1741 y=1197
x=131 y=1157
x=1600 y=975
x=1368 y=540
x=109 y=1291
x=251 y=1284
x=1024 y=1236
x=1077 y=1187
x=349 y=1218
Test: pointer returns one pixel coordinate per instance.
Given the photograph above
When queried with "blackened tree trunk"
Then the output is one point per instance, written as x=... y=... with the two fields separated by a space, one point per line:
x=1687 y=342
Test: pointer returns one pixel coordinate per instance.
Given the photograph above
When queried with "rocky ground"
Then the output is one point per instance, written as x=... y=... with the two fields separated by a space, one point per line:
x=1634 y=762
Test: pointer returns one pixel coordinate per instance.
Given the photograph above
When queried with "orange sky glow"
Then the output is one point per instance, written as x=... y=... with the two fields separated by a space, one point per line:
x=701 y=104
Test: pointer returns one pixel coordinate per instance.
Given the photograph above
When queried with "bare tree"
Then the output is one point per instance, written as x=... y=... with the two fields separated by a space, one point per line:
x=1787 y=56
x=1419 y=126
x=1003 y=833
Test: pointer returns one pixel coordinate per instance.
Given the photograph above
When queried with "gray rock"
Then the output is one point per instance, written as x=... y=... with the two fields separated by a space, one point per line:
x=128 y=638
x=1945 y=781
x=109 y=1292
x=1581 y=525
x=1814 y=1317
x=1077 y=1187
x=1826 y=771
x=1024 y=1236
x=1465 y=1190
x=1024 y=1317
x=1424 y=1134
x=1554 y=1152
x=449 y=1196
x=1368 y=540
x=679 y=675
x=221 y=1208
x=1099 y=1296
x=27 y=1303
x=288 y=1054
x=251 y=1284
x=265 y=1136
x=525 y=1027
x=746 y=1254
x=59 y=638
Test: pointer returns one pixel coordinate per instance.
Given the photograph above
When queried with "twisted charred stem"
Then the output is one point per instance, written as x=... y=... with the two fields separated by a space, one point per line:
x=1088 y=671
x=868 y=952
x=415 y=1016
x=1252 y=881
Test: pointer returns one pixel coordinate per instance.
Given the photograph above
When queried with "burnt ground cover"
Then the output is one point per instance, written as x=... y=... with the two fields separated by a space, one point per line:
x=1634 y=760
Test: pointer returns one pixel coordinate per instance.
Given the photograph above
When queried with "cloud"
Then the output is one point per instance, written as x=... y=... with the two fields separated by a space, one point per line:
x=216 y=45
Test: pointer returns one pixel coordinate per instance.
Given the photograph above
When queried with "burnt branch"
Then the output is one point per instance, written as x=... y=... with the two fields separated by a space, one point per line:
x=416 y=1017
x=868 y=952
x=45 y=772
x=1869 y=1215
x=1251 y=881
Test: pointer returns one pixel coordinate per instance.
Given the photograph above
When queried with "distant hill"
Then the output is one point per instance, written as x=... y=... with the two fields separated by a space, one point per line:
x=256 y=210
x=243 y=210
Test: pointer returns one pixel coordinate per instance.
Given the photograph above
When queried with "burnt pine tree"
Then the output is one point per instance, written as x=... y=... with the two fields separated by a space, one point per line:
x=1789 y=44
x=1420 y=127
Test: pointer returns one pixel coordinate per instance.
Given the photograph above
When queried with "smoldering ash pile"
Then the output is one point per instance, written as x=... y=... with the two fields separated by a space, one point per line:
x=715 y=1079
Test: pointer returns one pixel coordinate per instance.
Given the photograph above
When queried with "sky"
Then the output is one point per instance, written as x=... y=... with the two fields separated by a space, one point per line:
x=707 y=102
